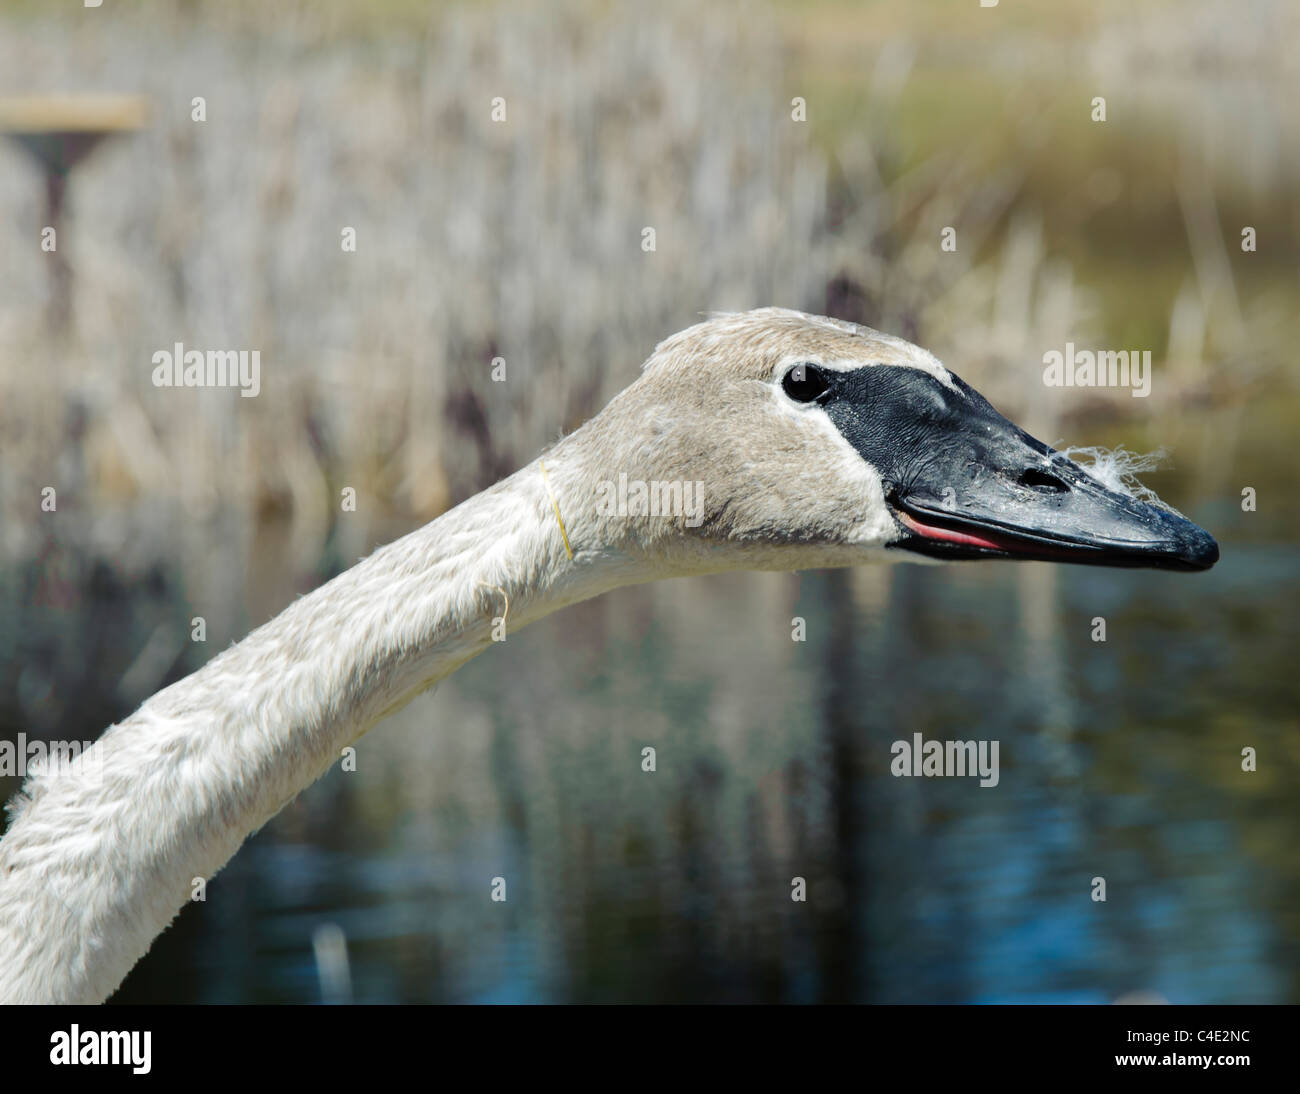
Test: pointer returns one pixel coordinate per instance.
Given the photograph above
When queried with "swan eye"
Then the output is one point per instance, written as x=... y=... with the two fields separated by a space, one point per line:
x=805 y=383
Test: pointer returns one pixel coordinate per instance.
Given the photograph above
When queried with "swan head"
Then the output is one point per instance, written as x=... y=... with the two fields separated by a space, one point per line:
x=772 y=439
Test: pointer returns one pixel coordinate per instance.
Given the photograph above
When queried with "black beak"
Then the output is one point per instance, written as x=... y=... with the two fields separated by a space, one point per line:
x=964 y=482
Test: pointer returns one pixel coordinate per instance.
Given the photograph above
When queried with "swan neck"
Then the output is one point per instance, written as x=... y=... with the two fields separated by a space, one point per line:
x=96 y=863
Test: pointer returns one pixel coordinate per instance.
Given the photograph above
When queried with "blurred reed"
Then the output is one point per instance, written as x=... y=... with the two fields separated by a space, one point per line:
x=478 y=239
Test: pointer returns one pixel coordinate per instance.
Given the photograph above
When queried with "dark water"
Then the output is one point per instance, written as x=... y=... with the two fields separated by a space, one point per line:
x=1118 y=760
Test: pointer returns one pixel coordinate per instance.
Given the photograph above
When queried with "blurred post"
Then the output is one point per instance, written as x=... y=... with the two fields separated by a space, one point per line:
x=59 y=132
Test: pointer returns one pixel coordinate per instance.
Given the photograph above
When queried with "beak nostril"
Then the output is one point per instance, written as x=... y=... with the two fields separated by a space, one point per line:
x=1043 y=481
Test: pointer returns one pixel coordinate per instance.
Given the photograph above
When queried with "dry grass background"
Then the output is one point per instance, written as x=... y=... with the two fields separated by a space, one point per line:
x=479 y=239
x=476 y=239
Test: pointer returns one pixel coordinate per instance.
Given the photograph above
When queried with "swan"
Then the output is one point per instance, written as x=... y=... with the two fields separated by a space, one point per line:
x=802 y=441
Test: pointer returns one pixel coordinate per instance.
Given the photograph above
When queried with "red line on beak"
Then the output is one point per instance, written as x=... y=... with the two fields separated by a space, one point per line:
x=966 y=539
